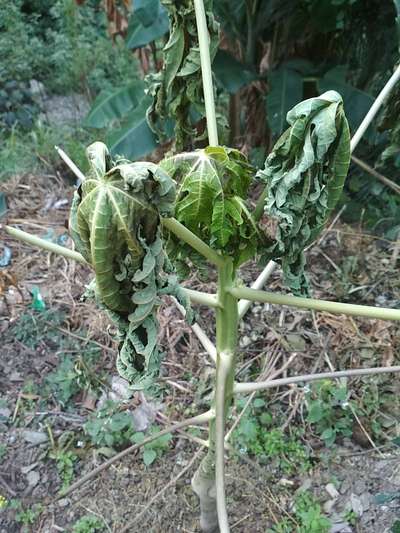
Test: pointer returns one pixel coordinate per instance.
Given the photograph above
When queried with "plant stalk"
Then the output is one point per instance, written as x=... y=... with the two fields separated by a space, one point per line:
x=190 y=238
x=208 y=481
x=206 y=72
x=381 y=313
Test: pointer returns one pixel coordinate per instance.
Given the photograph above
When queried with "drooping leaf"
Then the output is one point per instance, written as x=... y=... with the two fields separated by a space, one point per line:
x=134 y=138
x=230 y=73
x=177 y=89
x=112 y=105
x=304 y=176
x=211 y=200
x=286 y=90
x=141 y=34
x=115 y=224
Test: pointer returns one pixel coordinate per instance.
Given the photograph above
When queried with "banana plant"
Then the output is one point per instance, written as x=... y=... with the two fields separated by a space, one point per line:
x=141 y=225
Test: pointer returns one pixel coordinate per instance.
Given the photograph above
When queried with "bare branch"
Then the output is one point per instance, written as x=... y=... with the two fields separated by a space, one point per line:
x=386 y=181
x=244 y=388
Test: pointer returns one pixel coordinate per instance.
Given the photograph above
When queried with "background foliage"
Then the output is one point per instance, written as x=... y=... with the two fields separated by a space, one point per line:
x=271 y=55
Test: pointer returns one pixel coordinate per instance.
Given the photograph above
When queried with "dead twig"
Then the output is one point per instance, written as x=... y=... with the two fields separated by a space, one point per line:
x=383 y=179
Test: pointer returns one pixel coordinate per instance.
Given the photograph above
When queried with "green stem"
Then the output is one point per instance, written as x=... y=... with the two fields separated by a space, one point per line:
x=190 y=238
x=227 y=320
x=381 y=313
x=202 y=298
x=45 y=245
x=206 y=72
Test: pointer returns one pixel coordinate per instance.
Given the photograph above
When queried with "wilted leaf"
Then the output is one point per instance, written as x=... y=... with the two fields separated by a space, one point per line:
x=177 y=89
x=304 y=176
x=356 y=102
x=115 y=224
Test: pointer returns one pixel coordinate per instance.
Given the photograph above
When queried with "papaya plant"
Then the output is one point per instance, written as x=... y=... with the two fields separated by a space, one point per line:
x=139 y=225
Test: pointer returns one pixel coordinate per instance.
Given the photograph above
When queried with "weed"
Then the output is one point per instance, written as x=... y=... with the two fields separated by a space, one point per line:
x=153 y=449
x=327 y=406
x=307 y=517
x=110 y=427
x=27 y=517
x=351 y=517
x=73 y=375
x=115 y=429
x=3 y=452
x=88 y=524
x=65 y=461
x=255 y=436
x=396 y=527
x=22 y=152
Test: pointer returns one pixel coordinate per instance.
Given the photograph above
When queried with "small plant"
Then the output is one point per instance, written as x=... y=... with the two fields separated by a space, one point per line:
x=307 y=517
x=88 y=524
x=328 y=411
x=27 y=517
x=114 y=429
x=65 y=461
x=74 y=374
x=255 y=435
x=155 y=448
x=110 y=427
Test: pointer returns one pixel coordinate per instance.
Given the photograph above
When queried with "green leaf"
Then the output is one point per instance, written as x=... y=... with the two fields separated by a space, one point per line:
x=329 y=436
x=112 y=105
x=134 y=139
x=230 y=73
x=149 y=456
x=315 y=412
x=286 y=90
x=146 y=11
x=139 y=35
x=211 y=200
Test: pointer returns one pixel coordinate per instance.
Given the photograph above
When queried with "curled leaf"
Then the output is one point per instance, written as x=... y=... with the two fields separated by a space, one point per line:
x=211 y=201
x=304 y=177
x=115 y=223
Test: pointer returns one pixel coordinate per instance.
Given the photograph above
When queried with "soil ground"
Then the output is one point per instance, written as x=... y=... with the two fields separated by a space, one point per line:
x=345 y=265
